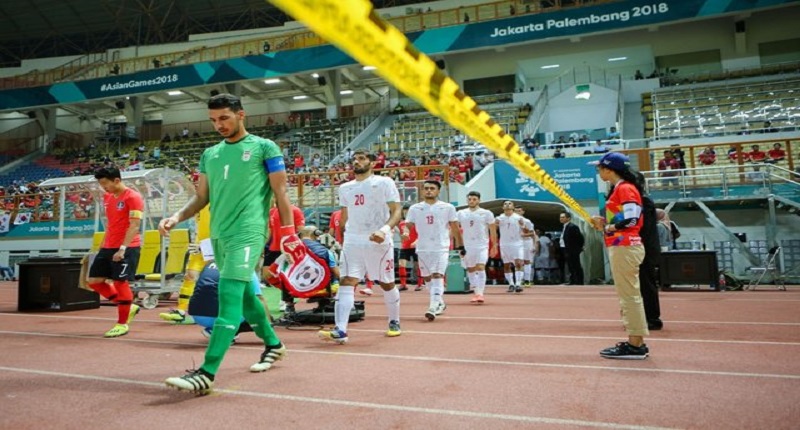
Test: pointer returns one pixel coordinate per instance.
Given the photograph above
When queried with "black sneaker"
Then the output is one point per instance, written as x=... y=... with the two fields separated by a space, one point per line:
x=656 y=324
x=518 y=289
x=625 y=351
x=511 y=289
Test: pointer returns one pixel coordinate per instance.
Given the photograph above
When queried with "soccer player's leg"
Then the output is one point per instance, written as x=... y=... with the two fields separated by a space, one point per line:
x=99 y=272
x=255 y=313
x=236 y=259
x=507 y=255
x=380 y=267
x=352 y=270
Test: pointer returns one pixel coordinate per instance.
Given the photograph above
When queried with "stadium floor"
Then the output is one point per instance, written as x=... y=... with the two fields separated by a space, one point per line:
x=724 y=360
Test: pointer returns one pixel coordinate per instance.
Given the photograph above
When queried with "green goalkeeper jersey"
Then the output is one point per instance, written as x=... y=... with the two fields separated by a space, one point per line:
x=238 y=184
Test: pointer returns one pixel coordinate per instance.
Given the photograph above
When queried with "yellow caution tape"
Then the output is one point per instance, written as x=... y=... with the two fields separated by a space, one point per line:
x=354 y=27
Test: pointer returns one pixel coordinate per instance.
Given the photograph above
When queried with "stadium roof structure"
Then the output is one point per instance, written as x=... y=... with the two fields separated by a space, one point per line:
x=49 y=28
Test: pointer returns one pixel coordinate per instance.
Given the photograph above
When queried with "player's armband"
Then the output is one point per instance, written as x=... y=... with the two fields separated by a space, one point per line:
x=135 y=214
x=274 y=165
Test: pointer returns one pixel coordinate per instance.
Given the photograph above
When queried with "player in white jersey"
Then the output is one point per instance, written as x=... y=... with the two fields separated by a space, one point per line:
x=435 y=221
x=511 y=227
x=475 y=223
x=530 y=243
x=370 y=210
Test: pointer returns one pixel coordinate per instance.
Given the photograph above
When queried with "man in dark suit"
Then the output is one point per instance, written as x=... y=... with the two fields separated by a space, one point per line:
x=571 y=247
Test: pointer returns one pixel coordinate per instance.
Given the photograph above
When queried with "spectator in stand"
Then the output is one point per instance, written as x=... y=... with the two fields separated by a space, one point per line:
x=768 y=128
x=599 y=147
x=478 y=162
x=166 y=138
x=708 y=156
x=776 y=153
x=530 y=145
x=185 y=133
x=733 y=153
x=638 y=75
x=757 y=155
x=458 y=140
x=613 y=135
x=299 y=162
x=558 y=154
x=669 y=167
x=316 y=161
x=380 y=160
x=157 y=152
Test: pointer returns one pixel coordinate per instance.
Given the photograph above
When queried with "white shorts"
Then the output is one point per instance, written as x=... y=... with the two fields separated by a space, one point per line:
x=476 y=256
x=375 y=261
x=431 y=262
x=527 y=253
x=509 y=253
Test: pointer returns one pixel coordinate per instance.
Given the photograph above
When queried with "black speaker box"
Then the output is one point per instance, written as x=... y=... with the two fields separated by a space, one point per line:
x=740 y=26
x=52 y=284
x=120 y=104
x=321 y=81
x=440 y=64
x=214 y=93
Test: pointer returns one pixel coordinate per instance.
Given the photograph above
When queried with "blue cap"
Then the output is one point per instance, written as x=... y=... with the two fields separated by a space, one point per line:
x=615 y=161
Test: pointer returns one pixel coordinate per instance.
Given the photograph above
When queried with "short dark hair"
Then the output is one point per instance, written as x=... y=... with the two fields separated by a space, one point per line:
x=567 y=215
x=474 y=193
x=433 y=182
x=225 y=100
x=368 y=154
x=109 y=173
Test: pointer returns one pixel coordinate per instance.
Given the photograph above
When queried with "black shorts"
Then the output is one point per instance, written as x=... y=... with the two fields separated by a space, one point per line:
x=270 y=257
x=105 y=267
x=407 y=254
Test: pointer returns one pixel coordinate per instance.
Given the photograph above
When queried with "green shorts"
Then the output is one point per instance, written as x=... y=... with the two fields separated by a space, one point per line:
x=237 y=256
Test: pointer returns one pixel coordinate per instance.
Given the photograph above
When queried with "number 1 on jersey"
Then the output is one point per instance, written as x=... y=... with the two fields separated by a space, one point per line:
x=225 y=175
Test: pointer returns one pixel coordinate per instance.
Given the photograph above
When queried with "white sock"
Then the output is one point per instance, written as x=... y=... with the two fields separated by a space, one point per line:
x=392 y=300
x=518 y=274
x=437 y=288
x=344 y=304
x=510 y=278
x=527 y=272
x=472 y=279
x=480 y=284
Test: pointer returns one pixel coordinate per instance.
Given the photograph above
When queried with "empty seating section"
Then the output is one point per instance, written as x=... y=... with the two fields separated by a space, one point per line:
x=35 y=171
x=414 y=134
x=730 y=109
x=9 y=156
x=322 y=134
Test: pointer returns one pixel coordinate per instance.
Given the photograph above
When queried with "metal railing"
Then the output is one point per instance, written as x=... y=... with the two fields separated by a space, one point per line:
x=727 y=182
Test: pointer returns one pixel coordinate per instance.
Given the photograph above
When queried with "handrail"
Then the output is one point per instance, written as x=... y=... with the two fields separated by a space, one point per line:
x=301 y=39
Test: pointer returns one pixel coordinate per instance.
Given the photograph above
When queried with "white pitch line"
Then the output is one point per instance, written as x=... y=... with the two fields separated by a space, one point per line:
x=371 y=315
x=553 y=336
x=596 y=320
x=338 y=351
x=354 y=404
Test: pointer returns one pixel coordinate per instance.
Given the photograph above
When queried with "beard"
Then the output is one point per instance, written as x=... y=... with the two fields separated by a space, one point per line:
x=360 y=170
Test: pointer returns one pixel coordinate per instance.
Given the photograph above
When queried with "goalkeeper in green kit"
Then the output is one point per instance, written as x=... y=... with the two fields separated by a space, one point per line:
x=239 y=178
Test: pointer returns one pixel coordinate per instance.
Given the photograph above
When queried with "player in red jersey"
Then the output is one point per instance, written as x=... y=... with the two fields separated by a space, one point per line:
x=118 y=257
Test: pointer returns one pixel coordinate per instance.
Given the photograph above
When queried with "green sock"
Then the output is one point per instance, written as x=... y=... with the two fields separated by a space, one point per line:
x=231 y=294
x=256 y=315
